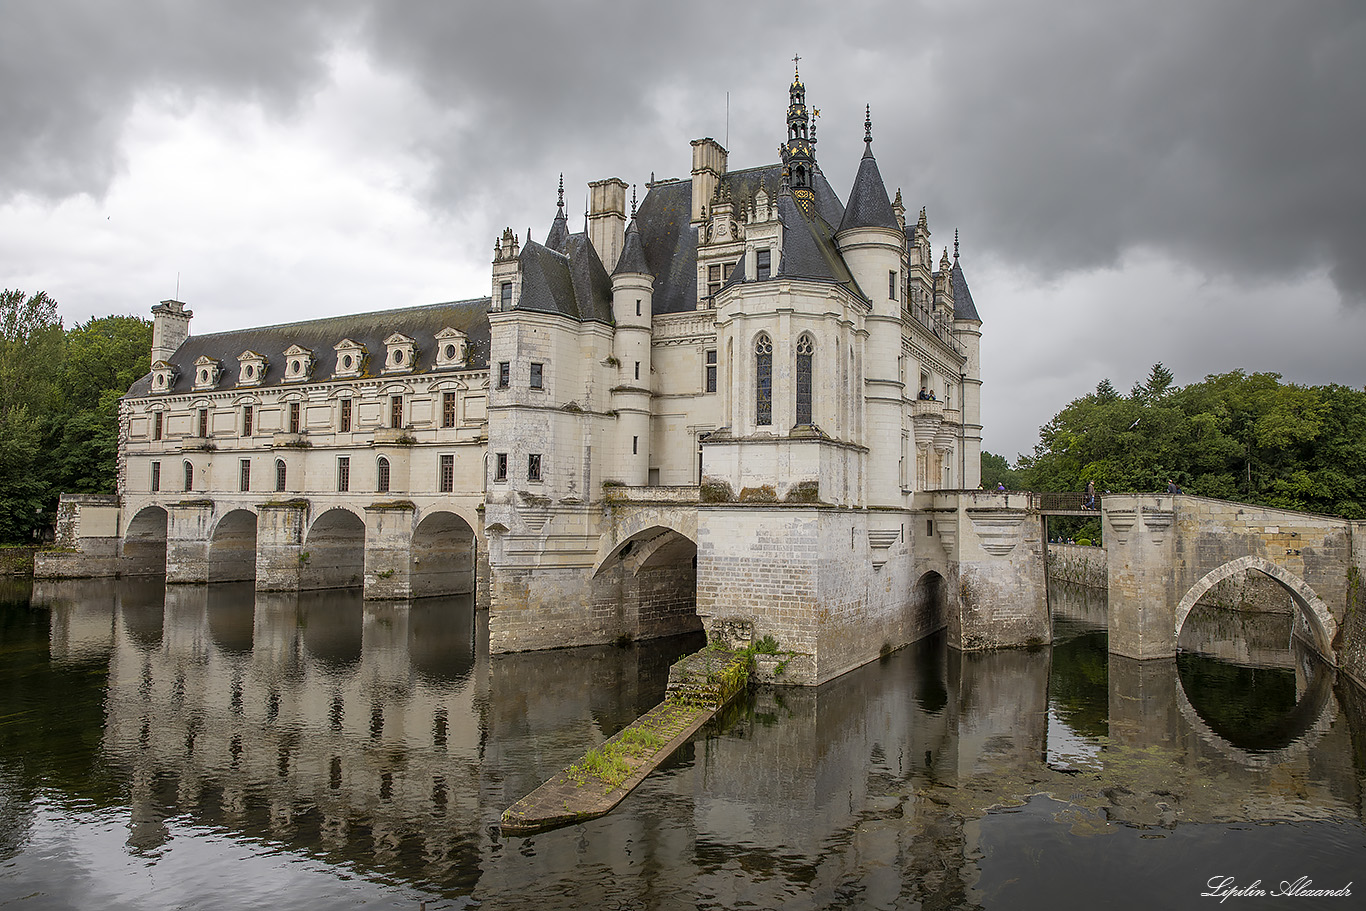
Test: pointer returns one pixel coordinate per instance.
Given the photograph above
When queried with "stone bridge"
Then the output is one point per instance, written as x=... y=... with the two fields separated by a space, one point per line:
x=1165 y=552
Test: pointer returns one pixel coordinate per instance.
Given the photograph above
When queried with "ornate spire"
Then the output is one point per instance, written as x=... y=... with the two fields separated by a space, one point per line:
x=955 y=245
x=798 y=154
x=633 y=202
x=560 y=204
x=868 y=123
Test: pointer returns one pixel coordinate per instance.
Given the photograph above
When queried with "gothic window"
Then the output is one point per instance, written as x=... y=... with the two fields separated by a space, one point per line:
x=447 y=473
x=189 y=476
x=804 y=352
x=448 y=409
x=763 y=380
x=382 y=475
x=279 y=474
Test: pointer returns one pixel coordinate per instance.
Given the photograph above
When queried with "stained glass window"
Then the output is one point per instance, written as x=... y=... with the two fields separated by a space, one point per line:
x=763 y=363
x=804 y=351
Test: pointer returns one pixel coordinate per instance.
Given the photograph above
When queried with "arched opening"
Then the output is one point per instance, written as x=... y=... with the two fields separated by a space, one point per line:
x=144 y=545
x=805 y=349
x=647 y=586
x=928 y=610
x=763 y=380
x=443 y=556
x=232 y=548
x=334 y=551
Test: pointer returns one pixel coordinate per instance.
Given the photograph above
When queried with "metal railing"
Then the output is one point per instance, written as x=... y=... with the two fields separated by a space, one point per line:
x=1067 y=502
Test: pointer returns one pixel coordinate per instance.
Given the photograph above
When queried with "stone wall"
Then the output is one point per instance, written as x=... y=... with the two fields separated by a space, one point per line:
x=1077 y=564
x=1352 y=651
x=16 y=561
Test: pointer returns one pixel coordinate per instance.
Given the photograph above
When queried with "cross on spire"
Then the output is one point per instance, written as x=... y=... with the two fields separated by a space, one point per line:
x=795 y=60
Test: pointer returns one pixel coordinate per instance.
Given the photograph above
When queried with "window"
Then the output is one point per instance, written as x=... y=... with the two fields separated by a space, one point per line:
x=891 y=284
x=635 y=445
x=804 y=352
x=156 y=474
x=189 y=476
x=533 y=467
x=710 y=374
x=244 y=475
x=448 y=409
x=504 y=374
x=203 y=422
x=156 y=425
x=247 y=420
x=637 y=369
x=382 y=475
x=395 y=411
x=446 y=477
x=763 y=264
x=344 y=420
x=505 y=296
x=763 y=380
x=279 y=474
x=537 y=376
x=713 y=279
x=344 y=474
x=637 y=308
x=500 y=467
x=294 y=410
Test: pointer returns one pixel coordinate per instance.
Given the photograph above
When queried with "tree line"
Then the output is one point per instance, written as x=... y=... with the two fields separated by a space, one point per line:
x=59 y=395
x=1237 y=436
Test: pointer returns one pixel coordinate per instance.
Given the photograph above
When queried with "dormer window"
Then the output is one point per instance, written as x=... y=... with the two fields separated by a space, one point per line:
x=251 y=368
x=452 y=349
x=350 y=358
x=164 y=374
x=206 y=372
x=401 y=354
x=298 y=364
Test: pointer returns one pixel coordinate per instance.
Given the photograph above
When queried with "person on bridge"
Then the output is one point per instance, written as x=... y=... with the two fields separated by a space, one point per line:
x=1172 y=488
x=1088 y=500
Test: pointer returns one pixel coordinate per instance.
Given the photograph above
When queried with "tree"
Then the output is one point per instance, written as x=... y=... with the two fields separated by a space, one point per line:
x=996 y=470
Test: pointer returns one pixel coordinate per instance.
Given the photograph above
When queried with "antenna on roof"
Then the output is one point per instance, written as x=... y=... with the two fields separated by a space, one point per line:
x=177 y=286
x=728 y=120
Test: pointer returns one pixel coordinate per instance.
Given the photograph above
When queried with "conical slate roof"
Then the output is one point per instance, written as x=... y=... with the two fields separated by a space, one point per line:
x=869 y=206
x=632 y=257
x=963 y=307
x=559 y=232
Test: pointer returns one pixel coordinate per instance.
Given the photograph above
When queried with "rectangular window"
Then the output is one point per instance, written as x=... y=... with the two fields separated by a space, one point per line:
x=344 y=474
x=891 y=284
x=637 y=369
x=448 y=409
x=537 y=376
x=637 y=308
x=203 y=422
x=248 y=421
x=156 y=425
x=279 y=474
x=447 y=476
x=504 y=374
x=294 y=411
x=244 y=475
x=533 y=467
x=189 y=476
x=500 y=466
x=635 y=445
x=156 y=474
x=505 y=296
x=396 y=411
x=710 y=356
x=763 y=264
x=344 y=420
x=713 y=279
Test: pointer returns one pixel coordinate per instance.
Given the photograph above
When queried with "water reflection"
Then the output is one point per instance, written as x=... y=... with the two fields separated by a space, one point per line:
x=374 y=745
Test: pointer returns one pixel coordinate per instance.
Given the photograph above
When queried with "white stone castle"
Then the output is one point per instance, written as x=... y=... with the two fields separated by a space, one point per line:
x=745 y=408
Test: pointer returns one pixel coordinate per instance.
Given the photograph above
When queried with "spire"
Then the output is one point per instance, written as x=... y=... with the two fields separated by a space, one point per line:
x=632 y=259
x=963 y=306
x=633 y=202
x=798 y=154
x=559 y=228
x=560 y=204
x=868 y=123
x=955 y=246
x=868 y=205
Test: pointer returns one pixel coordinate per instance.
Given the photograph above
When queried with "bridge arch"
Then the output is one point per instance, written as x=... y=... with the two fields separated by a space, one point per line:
x=1311 y=607
x=144 y=543
x=232 y=547
x=442 y=555
x=645 y=523
x=334 y=551
x=646 y=584
x=927 y=609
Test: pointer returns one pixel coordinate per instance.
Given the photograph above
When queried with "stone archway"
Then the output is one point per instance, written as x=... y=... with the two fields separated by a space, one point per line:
x=144 y=544
x=646 y=586
x=334 y=551
x=1315 y=613
x=232 y=548
x=443 y=556
x=927 y=610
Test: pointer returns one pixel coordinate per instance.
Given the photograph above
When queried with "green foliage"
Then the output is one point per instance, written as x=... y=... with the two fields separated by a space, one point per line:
x=996 y=470
x=59 y=405
x=1234 y=436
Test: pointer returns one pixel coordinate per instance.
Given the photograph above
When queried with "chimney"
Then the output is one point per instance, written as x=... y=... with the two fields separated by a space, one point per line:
x=607 y=219
x=708 y=167
x=170 y=327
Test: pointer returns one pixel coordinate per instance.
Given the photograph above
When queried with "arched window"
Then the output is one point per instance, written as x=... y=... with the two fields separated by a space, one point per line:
x=189 y=476
x=804 y=351
x=382 y=475
x=279 y=474
x=763 y=380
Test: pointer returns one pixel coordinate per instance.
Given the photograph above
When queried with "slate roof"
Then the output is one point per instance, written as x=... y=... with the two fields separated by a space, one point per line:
x=320 y=335
x=632 y=259
x=869 y=206
x=572 y=283
x=669 y=240
x=559 y=232
x=963 y=307
x=809 y=249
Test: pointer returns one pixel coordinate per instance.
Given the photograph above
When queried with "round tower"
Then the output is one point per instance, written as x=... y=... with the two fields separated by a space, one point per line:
x=632 y=307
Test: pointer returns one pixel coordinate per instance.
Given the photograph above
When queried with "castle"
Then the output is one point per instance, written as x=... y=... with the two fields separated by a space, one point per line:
x=747 y=406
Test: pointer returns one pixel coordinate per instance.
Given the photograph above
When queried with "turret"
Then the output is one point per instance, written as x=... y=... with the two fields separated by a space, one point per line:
x=632 y=308
x=170 y=327
x=967 y=327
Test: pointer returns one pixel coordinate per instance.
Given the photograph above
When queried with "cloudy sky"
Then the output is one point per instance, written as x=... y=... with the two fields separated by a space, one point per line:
x=1133 y=181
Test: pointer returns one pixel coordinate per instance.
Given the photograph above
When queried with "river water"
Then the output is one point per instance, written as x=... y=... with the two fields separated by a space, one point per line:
x=207 y=747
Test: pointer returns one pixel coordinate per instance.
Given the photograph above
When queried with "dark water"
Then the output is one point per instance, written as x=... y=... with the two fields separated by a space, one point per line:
x=210 y=748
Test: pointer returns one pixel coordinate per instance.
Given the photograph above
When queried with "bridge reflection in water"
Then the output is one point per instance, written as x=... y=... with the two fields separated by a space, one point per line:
x=373 y=746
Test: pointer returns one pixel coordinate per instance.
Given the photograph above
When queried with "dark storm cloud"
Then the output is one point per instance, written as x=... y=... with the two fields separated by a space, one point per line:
x=70 y=72
x=1225 y=133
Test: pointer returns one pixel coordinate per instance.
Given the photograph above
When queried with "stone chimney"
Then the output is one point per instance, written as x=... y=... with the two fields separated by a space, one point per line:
x=708 y=167
x=170 y=327
x=607 y=219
